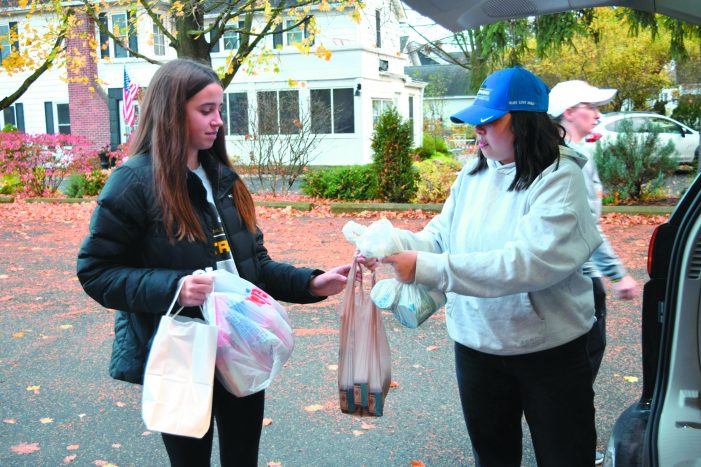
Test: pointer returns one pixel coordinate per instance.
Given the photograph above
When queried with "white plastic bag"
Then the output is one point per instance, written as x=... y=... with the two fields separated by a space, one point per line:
x=411 y=304
x=255 y=336
x=377 y=240
x=179 y=376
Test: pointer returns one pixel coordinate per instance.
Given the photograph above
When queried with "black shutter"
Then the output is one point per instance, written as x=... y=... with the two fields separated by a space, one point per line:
x=114 y=95
x=19 y=110
x=277 y=36
x=378 y=34
x=131 y=27
x=9 y=115
x=14 y=32
x=306 y=29
x=49 y=117
x=104 y=38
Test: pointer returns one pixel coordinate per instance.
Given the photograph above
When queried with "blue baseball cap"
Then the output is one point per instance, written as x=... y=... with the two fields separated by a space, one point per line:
x=504 y=91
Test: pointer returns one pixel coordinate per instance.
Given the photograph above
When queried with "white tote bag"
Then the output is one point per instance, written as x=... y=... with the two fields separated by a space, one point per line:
x=179 y=376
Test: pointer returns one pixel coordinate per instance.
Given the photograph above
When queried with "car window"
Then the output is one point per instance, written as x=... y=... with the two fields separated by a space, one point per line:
x=665 y=126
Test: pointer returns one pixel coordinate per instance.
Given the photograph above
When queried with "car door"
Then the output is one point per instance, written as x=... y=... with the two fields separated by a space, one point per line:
x=684 y=143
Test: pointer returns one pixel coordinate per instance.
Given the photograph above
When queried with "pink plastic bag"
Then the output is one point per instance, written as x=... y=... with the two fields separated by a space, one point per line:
x=364 y=357
x=255 y=336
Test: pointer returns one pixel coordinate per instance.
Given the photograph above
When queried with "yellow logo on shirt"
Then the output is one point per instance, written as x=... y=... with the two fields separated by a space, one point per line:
x=222 y=246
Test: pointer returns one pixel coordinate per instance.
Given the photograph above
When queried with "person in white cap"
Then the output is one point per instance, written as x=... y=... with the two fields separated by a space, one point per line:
x=575 y=105
x=507 y=249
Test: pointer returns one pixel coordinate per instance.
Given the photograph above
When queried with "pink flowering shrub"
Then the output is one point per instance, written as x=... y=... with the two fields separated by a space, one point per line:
x=43 y=161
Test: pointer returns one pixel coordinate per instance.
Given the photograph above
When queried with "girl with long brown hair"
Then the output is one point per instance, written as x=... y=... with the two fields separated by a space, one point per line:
x=174 y=207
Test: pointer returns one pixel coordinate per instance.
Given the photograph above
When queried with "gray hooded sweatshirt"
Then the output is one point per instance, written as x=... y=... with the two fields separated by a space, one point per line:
x=510 y=262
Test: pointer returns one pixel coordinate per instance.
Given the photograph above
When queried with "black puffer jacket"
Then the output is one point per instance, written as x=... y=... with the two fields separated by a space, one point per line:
x=127 y=262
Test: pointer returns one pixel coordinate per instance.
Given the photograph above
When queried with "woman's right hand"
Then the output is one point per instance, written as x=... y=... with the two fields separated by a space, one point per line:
x=195 y=289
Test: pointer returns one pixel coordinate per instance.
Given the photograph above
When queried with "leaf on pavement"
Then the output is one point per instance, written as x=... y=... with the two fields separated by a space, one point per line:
x=69 y=459
x=417 y=464
x=267 y=421
x=358 y=433
x=72 y=447
x=274 y=464
x=367 y=426
x=116 y=445
x=332 y=367
x=431 y=348
x=17 y=334
x=119 y=404
x=11 y=421
x=65 y=326
x=631 y=379
x=25 y=448
x=313 y=407
x=34 y=388
x=46 y=420
x=393 y=384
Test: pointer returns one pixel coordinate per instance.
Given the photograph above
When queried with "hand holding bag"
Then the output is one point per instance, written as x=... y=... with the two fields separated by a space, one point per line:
x=179 y=376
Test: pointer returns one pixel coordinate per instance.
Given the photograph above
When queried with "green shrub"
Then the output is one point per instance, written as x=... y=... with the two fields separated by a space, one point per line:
x=9 y=128
x=391 y=144
x=430 y=147
x=86 y=184
x=9 y=183
x=635 y=165
x=689 y=110
x=349 y=183
x=436 y=176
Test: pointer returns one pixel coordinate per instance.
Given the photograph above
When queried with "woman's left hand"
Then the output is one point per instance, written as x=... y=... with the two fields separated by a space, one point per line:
x=404 y=265
x=331 y=282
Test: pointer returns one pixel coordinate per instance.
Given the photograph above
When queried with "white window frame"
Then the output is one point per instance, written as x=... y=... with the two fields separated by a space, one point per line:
x=379 y=106
x=159 y=44
x=332 y=110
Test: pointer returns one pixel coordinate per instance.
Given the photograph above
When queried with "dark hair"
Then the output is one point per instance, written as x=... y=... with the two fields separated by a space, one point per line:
x=536 y=146
x=162 y=132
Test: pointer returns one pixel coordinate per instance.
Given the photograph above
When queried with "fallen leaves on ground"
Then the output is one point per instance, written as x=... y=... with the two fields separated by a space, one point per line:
x=25 y=448
x=313 y=407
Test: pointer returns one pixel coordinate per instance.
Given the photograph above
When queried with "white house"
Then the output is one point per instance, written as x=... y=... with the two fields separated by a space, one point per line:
x=364 y=75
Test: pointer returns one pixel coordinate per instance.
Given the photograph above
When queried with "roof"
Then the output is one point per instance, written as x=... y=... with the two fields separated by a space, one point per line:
x=449 y=80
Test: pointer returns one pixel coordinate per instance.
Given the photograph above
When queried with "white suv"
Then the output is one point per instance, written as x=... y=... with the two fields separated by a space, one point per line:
x=685 y=139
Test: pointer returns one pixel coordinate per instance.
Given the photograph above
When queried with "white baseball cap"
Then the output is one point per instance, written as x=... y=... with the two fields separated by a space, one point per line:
x=570 y=93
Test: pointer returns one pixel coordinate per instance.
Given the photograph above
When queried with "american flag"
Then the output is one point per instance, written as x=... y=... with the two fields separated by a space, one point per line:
x=131 y=90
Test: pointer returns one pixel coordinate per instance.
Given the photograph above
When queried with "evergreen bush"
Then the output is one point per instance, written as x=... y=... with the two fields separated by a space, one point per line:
x=689 y=110
x=431 y=147
x=349 y=183
x=635 y=165
x=391 y=146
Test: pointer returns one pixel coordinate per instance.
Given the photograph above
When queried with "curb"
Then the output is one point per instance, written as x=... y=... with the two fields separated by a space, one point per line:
x=359 y=207
x=59 y=200
x=298 y=205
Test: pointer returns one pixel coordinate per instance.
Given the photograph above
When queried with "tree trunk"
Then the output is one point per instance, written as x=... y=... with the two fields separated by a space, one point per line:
x=189 y=46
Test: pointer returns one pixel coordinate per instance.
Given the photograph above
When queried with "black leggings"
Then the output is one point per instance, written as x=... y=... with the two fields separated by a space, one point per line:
x=239 y=425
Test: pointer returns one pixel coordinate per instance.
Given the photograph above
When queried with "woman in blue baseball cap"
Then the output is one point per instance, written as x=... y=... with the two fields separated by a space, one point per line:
x=508 y=249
